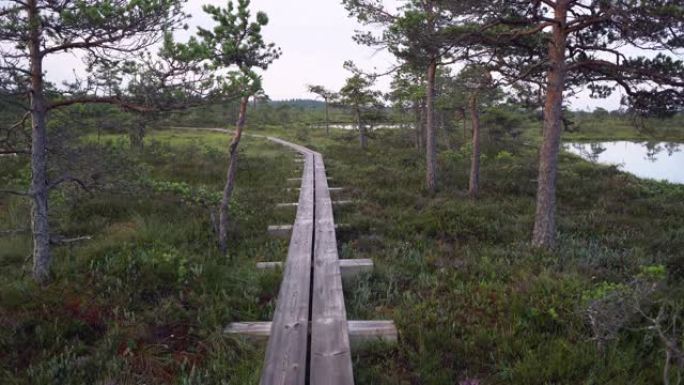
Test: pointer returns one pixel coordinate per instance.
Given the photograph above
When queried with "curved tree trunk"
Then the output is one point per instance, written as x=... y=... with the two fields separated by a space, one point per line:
x=544 y=234
x=430 y=140
x=474 y=185
x=224 y=214
x=40 y=226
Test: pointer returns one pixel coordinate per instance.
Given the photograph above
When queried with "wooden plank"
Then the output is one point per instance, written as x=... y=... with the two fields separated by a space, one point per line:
x=300 y=179
x=360 y=332
x=330 y=347
x=335 y=189
x=256 y=330
x=349 y=268
x=284 y=231
x=342 y=203
x=269 y=265
x=286 y=205
x=287 y=349
x=280 y=231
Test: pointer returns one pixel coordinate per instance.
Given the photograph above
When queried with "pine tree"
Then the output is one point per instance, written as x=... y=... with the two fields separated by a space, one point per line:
x=33 y=30
x=357 y=95
x=234 y=45
x=584 y=44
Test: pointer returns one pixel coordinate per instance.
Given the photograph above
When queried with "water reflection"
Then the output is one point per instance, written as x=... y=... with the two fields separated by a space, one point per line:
x=654 y=160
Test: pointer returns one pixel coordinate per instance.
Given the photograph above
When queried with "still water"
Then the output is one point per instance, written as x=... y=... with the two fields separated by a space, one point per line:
x=652 y=160
x=351 y=127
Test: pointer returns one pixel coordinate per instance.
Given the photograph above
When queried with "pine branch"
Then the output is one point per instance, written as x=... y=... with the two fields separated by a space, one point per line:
x=101 y=100
x=68 y=178
x=13 y=232
x=14 y=192
x=60 y=240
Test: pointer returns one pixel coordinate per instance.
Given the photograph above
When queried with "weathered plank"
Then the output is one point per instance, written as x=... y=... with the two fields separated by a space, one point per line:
x=256 y=330
x=280 y=231
x=335 y=189
x=330 y=347
x=286 y=205
x=349 y=268
x=300 y=179
x=284 y=231
x=286 y=353
x=269 y=265
x=360 y=332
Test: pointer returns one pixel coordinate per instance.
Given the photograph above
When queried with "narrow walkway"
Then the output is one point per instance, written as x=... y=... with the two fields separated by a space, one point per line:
x=310 y=293
x=309 y=337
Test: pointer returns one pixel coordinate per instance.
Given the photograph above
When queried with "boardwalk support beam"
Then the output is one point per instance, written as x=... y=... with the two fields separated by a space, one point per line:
x=349 y=268
x=360 y=332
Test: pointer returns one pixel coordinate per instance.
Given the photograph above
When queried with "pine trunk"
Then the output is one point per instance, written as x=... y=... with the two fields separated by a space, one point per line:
x=224 y=214
x=474 y=186
x=465 y=128
x=430 y=140
x=544 y=234
x=419 y=125
x=40 y=226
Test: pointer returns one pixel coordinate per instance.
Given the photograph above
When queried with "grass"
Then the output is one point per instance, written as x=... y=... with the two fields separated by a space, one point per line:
x=146 y=300
x=471 y=299
x=612 y=128
x=589 y=128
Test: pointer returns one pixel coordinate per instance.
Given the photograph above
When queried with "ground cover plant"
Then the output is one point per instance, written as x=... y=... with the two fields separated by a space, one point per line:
x=147 y=298
x=130 y=222
x=472 y=300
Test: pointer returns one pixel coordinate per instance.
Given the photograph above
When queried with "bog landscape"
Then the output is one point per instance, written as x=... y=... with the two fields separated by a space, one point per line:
x=370 y=192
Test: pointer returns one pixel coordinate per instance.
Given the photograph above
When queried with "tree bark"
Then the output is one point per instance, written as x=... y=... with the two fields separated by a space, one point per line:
x=423 y=124
x=137 y=134
x=40 y=226
x=430 y=142
x=544 y=234
x=474 y=185
x=362 y=130
x=224 y=214
x=419 y=125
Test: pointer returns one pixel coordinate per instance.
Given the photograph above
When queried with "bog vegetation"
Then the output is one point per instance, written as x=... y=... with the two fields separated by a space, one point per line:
x=129 y=231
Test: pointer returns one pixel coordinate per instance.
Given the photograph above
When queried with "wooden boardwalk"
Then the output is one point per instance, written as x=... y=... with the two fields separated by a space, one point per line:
x=309 y=337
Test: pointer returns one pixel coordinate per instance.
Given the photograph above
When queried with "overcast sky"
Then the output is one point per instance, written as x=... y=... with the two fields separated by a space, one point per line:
x=316 y=39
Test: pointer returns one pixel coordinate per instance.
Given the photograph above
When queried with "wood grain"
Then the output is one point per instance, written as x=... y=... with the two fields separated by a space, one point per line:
x=287 y=349
x=330 y=348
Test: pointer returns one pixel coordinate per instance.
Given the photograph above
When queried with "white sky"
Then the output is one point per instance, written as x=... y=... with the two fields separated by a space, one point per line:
x=315 y=37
